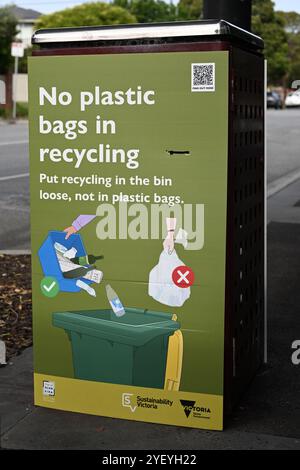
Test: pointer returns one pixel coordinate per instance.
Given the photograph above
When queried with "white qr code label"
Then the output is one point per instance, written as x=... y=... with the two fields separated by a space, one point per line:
x=48 y=389
x=203 y=77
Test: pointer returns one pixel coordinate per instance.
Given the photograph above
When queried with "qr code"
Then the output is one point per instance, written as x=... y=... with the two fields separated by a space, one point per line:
x=203 y=77
x=48 y=388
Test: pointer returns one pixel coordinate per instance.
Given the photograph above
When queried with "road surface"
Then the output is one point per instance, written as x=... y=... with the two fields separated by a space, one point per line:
x=14 y=187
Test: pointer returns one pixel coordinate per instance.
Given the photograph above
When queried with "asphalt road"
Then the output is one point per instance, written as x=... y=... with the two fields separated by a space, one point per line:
x=283 y=142
x=14 y=187
x=283 y=158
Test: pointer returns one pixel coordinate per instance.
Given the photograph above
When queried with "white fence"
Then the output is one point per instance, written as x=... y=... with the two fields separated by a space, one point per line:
x=21 y=88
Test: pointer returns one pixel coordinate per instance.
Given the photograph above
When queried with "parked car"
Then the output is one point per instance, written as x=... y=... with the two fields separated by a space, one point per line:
x=293 y=99
x=274 y=100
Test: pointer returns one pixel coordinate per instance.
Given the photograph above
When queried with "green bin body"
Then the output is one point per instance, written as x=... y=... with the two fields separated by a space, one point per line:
x=129 y=350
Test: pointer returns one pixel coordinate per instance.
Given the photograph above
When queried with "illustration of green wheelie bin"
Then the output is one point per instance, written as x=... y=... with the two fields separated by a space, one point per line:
x=129 y=350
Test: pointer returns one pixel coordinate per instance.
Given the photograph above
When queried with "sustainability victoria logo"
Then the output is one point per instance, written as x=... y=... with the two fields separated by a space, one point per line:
x=127 y=401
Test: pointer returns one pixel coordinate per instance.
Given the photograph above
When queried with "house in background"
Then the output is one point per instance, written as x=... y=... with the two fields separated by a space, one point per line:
x=26 y=21
x=12 y=84
x=26 y=26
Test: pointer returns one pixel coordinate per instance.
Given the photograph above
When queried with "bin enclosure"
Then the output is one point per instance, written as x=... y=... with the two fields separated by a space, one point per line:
x=171 y=116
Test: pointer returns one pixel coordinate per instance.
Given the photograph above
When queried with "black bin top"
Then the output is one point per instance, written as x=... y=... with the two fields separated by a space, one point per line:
x=147 y=33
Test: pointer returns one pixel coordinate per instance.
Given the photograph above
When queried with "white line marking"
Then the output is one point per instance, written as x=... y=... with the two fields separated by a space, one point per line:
x=15 y=252
x=281 y=183
x=16 y=142
x=14 y=177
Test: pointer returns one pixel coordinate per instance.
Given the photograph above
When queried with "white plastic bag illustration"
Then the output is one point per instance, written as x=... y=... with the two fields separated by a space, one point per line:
x=161 y=285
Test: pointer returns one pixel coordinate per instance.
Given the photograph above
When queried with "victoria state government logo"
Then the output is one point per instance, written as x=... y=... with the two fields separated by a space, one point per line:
x=197 y=411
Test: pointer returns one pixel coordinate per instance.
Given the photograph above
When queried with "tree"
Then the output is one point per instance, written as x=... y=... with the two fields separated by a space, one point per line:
x=270 y=26
x=149 y=11
x=87 y=14
x=23 y=61
x=190 y=9
x=291 y=21
x=8 y=31
x=292 y=26
x=294 y=57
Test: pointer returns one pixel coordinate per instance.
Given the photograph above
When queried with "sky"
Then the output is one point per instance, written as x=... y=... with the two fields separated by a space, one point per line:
x=47 y=6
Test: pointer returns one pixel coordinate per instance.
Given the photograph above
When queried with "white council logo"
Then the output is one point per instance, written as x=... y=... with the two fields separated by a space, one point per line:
x=126 y=401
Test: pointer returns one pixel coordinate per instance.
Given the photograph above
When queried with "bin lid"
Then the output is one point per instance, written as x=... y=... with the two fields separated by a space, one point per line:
x=140 y=32
x=136 y=327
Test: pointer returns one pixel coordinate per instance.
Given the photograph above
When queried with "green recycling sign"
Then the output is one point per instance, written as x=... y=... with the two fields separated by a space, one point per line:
x=128 y=174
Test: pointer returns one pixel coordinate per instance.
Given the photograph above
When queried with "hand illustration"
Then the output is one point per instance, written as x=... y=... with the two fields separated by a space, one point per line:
x=168 y=243
x=69 y=231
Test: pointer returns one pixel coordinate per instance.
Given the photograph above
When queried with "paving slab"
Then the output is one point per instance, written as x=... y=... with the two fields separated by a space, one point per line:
x=16 y=392
x=42 y=428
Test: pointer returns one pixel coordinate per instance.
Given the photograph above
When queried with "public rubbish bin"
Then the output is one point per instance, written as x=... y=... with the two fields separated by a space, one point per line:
x=49 y=262
x=130 y=120
x=129 y=350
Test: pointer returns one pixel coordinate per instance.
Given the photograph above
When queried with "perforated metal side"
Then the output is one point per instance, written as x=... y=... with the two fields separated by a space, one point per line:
x=244 y=338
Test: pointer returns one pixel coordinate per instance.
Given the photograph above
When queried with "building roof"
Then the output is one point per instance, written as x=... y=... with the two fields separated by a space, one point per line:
x=24 y=13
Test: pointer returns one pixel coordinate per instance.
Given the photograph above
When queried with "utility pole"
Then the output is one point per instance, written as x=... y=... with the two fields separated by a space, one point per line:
x=237 y=12
x=14 y=113
x=17 y=50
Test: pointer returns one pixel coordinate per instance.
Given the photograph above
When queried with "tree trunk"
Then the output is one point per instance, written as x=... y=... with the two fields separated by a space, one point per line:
x=9 y=93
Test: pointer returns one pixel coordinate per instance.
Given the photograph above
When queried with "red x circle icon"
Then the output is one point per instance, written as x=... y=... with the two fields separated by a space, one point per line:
x=183 y=277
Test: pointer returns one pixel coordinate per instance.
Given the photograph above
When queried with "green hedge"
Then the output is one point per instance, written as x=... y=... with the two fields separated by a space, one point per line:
x=22 y=111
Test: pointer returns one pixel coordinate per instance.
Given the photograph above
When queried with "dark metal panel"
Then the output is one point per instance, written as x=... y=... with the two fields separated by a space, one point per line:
x=237 y=12
x=244 y=311
x=138 y=48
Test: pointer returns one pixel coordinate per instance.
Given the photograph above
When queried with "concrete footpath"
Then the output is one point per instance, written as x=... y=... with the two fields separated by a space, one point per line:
x=268 y=416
